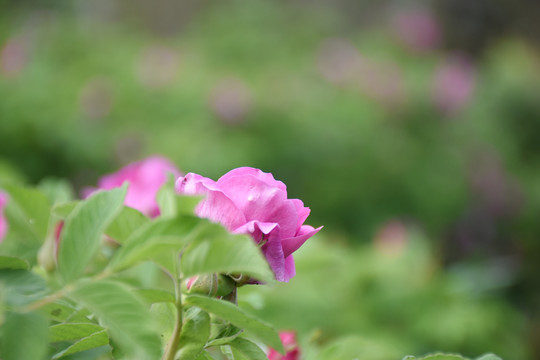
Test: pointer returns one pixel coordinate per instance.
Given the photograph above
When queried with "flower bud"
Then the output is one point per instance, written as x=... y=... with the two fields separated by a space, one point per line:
x=46 y=255
x=210 y=285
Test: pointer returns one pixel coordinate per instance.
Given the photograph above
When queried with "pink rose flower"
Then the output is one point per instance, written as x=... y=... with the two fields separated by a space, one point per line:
x=145 y=178
x=292 y=351
x=454 y=83
x=3 y=221
x=249 y=201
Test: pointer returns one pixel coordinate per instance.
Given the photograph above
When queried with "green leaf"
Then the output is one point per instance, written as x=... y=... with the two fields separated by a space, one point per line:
x=437 y=356
x=125 y=224
x=164 y=315
x=23 y=336
x=56 y=190
x=151 y=296
x=244 y=349
x=217 y=251
x=9 y=262
x=83 y=228
x=63 y=210
x=61 y=311
x=195 y=333
x=228 y=311
x=123 y=314
x=91 y=341
x=356 y=347
x=222 y=332
x=28 y=211
x=21 y=287
x=489 y=357
x=204 y=356
x=154 y=238
x=72 y=331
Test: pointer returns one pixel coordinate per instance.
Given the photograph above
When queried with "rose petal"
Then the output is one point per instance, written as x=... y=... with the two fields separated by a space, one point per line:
x=257 y=229
x=216 y=206
x=290 y=269
x=292 y=244
x=302 y=211
x=267 y=178
x=259 y=201
x=145 y=178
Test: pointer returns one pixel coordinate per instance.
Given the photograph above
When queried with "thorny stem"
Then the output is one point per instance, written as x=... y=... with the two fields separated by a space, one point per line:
x=172 y=345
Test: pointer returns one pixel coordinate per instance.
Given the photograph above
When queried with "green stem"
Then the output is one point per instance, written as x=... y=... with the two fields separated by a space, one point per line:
x=60 y=293
x=48 y=299
x=172 y=346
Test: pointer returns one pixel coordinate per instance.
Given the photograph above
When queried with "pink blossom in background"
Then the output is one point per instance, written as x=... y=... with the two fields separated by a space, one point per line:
x=292 y=351
x=249 y=201
x=145 y=178
x=338 y=60
x=391 y=239
x=383 y=81
x=340 y=63
x=158 y=66
x=96 y=98
x=230 y=100
x=453 y=84
x=418 y=29
x=3 y=221
x=13 y=56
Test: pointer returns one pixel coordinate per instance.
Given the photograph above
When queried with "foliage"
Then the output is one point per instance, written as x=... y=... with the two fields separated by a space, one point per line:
x=92 y=299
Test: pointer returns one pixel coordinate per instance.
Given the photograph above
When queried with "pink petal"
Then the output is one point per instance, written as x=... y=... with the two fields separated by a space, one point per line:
x=145 y=178
x=216 y=206
x=302 y=211
x=267 y=178
x=272 y=248
x=290 y=269
x=259 y=201
x=292 y=244
x=3 y=221
x=257 y=229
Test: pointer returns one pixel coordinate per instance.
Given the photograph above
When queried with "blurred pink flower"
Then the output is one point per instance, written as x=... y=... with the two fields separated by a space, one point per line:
x=453 y=84
x=249 y=201
x=382 y=81
x=418 y=29
x=338 y=60
x=230 y=100
x=96 y=98
x=145 y=178
x=292 y=351
x=3 y=221
x=158 y=66
x=391 y=238
x=13 y=56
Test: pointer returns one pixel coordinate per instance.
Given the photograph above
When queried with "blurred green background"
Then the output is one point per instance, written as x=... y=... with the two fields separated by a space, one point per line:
x=410 y=130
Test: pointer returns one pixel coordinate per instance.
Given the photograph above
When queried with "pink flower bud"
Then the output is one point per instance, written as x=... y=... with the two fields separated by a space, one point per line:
x=292 y=351
x=454 y=82
x=3 y=221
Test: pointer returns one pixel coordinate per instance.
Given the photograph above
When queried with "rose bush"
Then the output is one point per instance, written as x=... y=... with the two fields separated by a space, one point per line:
x=145 y=178
x=248 y=200
x=288 y=338
x=3 y=221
